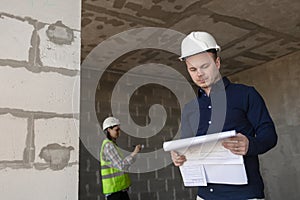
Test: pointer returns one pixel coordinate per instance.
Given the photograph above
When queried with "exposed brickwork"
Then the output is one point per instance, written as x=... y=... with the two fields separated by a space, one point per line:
x=163 y=183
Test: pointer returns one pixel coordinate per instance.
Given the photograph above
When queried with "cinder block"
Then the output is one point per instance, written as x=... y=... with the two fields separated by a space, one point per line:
x=137 y=99
x=60 y=55
x=140 y=186
x=132 y=196
x=46 y=92
x=60 y=131
x=167 y=195
x=148 y=176
x=149 y=195
x=184 y=194
x=175 y=184
x=165 y=173
x=15 y=39
x=37 y=184
x=12 y=137
x=158 y=185
x=46 y=11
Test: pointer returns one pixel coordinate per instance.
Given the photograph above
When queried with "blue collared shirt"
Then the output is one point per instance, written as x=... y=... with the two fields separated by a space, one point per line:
x=232 y=107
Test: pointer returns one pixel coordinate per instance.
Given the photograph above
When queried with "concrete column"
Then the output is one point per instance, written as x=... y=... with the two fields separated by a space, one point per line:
x=39 y=104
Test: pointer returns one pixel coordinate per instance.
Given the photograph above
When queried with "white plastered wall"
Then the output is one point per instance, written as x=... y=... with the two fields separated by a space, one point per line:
x=39 y=104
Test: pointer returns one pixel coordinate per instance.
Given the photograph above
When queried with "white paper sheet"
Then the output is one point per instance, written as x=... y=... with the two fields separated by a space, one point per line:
x=193 y=175
x=188 y=142
x=208 y=161
x=226 y=174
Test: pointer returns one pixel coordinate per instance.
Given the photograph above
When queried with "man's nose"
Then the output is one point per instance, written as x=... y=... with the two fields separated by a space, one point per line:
x=199 y=72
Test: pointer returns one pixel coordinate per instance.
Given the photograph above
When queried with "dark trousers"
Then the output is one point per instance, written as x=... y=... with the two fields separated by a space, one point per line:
x=122 y=195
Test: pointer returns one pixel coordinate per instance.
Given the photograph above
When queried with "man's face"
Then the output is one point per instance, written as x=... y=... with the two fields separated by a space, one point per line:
x=203 y=69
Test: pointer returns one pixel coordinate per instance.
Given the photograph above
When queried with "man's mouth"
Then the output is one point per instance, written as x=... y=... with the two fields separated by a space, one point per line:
x=202 y=81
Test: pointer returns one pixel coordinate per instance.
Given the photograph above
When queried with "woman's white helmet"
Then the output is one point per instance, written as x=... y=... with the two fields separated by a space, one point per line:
x=197 y=42
x=109 y=122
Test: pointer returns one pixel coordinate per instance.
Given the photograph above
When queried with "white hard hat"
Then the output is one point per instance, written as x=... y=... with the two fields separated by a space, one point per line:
x=109 y=122
x=197 y=42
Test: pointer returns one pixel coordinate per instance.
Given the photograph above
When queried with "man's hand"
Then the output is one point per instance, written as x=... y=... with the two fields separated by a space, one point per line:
x=237 y=144
x=177 y=159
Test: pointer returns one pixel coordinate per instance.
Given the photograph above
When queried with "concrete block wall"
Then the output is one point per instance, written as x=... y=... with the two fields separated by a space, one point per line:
x=160 y=183
x=39 y=105
x=278 y=82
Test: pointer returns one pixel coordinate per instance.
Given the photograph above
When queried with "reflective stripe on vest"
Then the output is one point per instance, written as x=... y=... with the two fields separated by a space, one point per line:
x=113 y=180
x=112 y=175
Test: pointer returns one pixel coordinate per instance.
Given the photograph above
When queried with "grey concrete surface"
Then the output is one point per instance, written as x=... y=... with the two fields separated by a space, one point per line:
x=261 y=37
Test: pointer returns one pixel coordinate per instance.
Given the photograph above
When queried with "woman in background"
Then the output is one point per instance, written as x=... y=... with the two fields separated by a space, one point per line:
x=115 y=180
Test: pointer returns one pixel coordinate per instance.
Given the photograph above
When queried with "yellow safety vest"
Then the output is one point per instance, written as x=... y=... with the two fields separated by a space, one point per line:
x=113 y=179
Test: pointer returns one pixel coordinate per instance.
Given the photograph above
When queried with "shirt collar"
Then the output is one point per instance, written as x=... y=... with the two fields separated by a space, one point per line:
x=216 y=87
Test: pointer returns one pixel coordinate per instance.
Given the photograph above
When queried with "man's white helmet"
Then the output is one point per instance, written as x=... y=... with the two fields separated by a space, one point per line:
x=109 y=122
x=197 y=42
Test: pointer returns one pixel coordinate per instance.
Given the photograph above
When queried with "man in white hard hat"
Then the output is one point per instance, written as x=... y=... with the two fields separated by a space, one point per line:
x=115 y=180
x=245 y=112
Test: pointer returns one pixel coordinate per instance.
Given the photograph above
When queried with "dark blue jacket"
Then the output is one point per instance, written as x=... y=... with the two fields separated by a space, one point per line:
x=232 y=107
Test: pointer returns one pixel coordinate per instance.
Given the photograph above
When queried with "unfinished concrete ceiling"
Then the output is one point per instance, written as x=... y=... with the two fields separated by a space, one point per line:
x=250 y=32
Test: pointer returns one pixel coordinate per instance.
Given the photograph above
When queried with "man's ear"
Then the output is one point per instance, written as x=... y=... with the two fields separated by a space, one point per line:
x=218 y=62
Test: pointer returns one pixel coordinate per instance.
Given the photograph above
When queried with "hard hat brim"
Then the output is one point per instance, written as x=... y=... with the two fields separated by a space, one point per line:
x=183 y=57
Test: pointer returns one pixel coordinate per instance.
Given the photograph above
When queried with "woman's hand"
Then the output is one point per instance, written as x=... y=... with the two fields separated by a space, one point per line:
x=137 y=149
